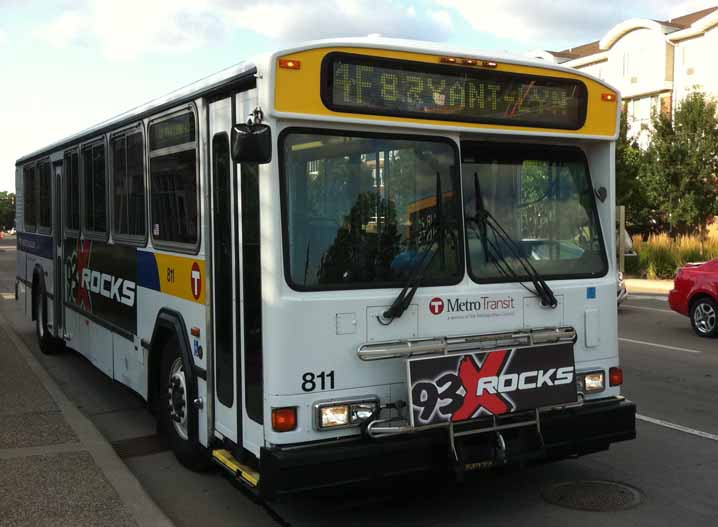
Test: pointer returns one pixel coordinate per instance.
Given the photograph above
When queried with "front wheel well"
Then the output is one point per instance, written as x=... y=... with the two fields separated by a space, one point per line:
x=695 y=298
x=170 y=325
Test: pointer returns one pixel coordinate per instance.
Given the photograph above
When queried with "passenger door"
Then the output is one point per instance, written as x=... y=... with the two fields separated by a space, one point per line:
x=225 y=272
x=58 y=277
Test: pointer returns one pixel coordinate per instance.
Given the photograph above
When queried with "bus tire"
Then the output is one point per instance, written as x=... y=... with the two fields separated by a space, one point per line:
x=174 y=408
x=47 y=343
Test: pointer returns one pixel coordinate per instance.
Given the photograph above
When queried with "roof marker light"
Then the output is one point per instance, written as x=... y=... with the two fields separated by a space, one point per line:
x=290 y=64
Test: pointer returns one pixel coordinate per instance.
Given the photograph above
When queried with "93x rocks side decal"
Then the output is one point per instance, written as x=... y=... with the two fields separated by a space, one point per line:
x=101 y=280
x=460 y=387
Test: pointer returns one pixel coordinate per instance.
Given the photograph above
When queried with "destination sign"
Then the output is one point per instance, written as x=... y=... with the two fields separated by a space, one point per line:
x=174 y=131
x=371 y=85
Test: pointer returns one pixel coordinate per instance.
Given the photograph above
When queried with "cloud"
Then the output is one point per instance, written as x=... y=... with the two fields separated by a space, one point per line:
x=297 y=20
x=540 y=22
x=167 y=26
x=126 y=29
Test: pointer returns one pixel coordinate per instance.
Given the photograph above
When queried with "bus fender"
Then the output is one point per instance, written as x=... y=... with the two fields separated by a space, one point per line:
x=167 y=324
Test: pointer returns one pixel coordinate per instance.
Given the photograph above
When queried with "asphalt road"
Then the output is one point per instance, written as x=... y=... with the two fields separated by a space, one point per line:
x=669 y=372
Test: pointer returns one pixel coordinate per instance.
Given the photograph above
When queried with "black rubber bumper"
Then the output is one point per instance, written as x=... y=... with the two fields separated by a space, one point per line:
x=565 y=433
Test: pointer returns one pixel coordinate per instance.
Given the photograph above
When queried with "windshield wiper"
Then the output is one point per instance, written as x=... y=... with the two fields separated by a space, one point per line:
x=403 y=300
x=485 y=220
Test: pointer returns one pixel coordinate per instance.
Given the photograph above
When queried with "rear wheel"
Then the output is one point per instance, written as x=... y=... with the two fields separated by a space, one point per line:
x=47 y=343
x=174 y=409
x=704 y=317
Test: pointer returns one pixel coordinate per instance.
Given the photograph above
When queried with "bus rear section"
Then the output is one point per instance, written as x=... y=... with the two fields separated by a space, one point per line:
x=477 y=367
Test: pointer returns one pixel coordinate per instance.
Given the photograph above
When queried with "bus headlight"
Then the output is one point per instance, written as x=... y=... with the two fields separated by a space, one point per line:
x=591 y=382
x=333 y=416
x=342 y=414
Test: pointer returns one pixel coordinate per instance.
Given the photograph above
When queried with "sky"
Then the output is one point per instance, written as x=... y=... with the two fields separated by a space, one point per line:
x=69 y=64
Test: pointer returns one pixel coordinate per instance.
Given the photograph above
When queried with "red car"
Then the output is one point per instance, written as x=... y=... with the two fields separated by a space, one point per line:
x=695 y=294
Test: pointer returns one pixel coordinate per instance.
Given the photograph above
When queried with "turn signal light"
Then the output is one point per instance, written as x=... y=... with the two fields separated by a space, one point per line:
x=284 y=419
x=615 y=376
x=608 y=97
x=290 y=64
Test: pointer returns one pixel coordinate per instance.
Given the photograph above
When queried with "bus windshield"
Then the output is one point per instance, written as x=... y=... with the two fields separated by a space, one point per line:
x=543 y=199
x=365 y=210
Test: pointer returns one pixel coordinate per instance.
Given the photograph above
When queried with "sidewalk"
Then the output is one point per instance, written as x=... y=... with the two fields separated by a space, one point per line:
x=651 y=287
x=55 y=466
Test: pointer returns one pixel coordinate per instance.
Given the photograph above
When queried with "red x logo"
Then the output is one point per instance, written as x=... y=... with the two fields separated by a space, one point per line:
x=83 y=259
x=470 y=373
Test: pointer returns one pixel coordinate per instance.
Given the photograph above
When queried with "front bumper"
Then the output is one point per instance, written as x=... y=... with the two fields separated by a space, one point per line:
x=576 y=431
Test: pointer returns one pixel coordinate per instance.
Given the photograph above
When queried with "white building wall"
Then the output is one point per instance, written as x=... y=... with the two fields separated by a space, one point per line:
x=654 y=72
x=637 y=63
x=695 y=66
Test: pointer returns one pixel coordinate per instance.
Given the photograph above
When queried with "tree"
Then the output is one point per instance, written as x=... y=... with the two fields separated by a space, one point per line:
x=7 y=210
x=633 y=183
x=683 y=161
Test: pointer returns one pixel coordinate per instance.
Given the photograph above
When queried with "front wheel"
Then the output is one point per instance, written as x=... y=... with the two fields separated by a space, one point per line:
x=704 y=317
x=174 y=410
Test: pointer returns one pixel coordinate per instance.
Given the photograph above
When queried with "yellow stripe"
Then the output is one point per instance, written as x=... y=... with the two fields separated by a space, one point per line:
x=240 y=470
x=176 y=278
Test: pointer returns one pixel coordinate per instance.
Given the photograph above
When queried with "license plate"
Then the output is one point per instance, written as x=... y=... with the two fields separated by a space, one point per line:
x=460 y=387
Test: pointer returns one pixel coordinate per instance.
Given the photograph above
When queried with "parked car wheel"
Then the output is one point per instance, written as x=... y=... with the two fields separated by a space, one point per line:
x=704 y=317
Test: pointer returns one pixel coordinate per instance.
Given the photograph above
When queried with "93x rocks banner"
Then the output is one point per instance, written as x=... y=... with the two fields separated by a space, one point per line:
x=101 y=280
x=459 y=387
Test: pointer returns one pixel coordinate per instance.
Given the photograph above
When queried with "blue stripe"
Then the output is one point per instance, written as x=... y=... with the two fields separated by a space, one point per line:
x=38 y=244
x=147 y=274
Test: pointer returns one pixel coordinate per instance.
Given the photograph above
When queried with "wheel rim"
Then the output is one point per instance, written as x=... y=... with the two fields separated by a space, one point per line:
x=704 y=317
x=177 y=391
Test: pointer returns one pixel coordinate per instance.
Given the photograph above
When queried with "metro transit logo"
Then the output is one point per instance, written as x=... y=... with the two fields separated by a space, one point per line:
x=436 y=306
x=489 y=304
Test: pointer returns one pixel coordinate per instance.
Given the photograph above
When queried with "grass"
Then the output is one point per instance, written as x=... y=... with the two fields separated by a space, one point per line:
x=660 y=256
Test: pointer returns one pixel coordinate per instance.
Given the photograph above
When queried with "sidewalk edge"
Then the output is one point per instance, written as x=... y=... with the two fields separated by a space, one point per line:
x=142 y=507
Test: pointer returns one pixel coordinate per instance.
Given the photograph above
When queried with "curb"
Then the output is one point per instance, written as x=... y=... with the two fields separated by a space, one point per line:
x=649 y=287
x=144 y=510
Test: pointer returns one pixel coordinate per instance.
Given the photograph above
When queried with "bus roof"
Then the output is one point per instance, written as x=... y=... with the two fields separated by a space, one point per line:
x=434 y=48
x=246 y=71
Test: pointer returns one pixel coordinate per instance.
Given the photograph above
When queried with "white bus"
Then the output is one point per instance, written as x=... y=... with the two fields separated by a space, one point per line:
x=348 y=259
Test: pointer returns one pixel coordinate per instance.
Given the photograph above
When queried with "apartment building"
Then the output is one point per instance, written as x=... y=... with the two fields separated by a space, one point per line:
x=655 y=64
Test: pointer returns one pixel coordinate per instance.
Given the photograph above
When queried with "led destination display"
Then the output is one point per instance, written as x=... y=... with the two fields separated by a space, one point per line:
x=362 y=84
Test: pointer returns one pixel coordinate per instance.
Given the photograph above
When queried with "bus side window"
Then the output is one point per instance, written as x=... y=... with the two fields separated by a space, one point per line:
x=44 y=192
x=128 y=188
x=93 y=174
x=28 y=188
x=71 y=175
x=174 y=210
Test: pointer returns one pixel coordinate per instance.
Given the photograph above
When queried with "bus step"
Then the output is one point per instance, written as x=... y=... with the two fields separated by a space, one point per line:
x=225 y=459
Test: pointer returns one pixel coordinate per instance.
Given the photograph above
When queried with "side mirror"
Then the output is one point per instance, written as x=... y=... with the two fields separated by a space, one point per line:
x=251 y=143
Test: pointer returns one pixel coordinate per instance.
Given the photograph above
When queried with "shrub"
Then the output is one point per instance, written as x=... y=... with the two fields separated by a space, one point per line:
x=661 y=255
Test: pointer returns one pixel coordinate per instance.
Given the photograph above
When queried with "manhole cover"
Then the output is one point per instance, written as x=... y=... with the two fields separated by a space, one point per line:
x=599 y=496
